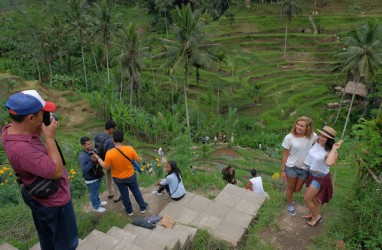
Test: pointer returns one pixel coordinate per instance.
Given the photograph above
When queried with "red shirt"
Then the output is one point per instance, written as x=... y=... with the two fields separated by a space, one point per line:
x=28 y=156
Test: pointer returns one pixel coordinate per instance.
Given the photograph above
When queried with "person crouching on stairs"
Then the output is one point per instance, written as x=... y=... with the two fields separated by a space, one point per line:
x=173 y=183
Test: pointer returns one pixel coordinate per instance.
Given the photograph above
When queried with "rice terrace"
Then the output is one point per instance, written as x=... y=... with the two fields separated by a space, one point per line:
x=217 y=86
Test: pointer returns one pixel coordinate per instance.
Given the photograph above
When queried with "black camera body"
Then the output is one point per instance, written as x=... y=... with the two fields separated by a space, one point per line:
x=93 y=151
x=46 y=118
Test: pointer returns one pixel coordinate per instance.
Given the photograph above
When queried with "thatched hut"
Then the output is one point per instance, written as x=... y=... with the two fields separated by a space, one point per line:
x=351 y=88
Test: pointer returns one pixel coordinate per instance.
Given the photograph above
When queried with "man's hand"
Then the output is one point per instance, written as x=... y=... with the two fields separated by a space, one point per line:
x=50 y=130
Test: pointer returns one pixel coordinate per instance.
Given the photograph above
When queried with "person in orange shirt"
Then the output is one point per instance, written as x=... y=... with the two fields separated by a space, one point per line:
x=119 y=160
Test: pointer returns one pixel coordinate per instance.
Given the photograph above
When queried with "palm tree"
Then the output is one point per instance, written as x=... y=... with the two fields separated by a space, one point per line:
x=188 y=48
x=222 y=60
x=131 y=59
x=289 y=8
x=77 y=19
x=58 y=28
x=363 y=55
x=162 y=6
x=103 y=27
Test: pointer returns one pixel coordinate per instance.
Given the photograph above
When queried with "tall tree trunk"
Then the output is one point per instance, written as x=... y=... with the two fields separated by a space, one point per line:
x=131 y=91
x=217 y=109
x=172 y=98
x=165 y=17
x=50 y=72
x=350 y=107
x=38 y=67
x=185 y=96
x=83 y=62
x=286 y=35
x=339 y=106
x=95 y=63
x=107 y=62
x=155 y=89
x=121 y=86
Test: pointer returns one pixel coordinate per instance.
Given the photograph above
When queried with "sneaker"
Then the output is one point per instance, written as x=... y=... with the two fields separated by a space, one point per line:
x=99 y=210
x=156 y=193
x=144 y=211
x=291 y=210
x=130 y=214
x=103 y=203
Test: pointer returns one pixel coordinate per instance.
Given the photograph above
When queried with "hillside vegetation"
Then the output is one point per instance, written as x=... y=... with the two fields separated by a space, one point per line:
x=251 y=90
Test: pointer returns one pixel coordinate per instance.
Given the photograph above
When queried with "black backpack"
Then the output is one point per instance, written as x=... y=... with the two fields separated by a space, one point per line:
x=98 y=144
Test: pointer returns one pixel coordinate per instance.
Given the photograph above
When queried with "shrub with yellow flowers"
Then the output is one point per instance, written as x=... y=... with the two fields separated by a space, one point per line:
x=9 y=188
x=77 y=184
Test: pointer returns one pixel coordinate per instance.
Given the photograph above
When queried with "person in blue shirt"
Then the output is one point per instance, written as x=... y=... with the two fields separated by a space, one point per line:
x=173 y=183
x=88 y=162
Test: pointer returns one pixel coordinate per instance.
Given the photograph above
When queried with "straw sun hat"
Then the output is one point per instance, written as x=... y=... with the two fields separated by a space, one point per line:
x=328 y=132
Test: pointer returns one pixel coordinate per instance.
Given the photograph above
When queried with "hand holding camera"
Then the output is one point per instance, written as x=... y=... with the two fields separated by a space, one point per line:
x=94 y=155
x=49 y=126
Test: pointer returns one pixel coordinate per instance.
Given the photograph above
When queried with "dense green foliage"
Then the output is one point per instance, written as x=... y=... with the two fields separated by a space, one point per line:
x=103 y=52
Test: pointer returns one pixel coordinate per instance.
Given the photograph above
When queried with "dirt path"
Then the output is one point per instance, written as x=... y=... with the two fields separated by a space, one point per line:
x=292 y=232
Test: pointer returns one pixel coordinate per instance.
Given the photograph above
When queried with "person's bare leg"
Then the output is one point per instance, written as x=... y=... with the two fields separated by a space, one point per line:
x=309 y=197
x=313 y=204
x=291 y=185
x=299 y=184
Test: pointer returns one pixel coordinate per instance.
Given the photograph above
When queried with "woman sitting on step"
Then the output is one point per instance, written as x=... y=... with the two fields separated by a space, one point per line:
x=173 y=183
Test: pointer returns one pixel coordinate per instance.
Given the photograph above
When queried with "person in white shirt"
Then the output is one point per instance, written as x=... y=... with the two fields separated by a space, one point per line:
x=296 y=146
x=255 y=184
x=320 y=158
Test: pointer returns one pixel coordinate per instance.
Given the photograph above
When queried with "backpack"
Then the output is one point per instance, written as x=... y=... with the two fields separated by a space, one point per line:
x=98 y=144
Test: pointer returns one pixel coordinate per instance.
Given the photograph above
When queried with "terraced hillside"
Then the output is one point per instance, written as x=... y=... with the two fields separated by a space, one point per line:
x=262 y=84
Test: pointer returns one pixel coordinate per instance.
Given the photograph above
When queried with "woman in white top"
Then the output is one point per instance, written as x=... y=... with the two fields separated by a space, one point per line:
x=320 y=157
x=296 y=146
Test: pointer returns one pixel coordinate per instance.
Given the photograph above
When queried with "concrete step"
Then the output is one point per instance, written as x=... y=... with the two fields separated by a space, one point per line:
x=153 y=240
x=126 y=239
x=183 y=237
x=36 y=246
x=98 y=240
x=6 y=246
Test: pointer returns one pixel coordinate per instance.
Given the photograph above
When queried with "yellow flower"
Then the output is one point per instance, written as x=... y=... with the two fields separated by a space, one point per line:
x=143 y=169
x=10 y=173
x=72 y=176
x=276 y=176
x=158 y=165
x=1 y=172
x=5 y=168
x=5 y=181
x=73 y=172
x=157 y=159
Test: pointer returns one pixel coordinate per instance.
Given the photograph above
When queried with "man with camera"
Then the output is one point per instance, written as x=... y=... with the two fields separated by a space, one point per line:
x=92 y=173
x=103 y=143
x=35 y=163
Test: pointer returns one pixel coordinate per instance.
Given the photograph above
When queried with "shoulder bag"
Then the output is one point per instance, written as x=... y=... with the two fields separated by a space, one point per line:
x=135 y=164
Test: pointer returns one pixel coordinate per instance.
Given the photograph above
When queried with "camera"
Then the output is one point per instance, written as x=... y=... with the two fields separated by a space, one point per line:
x=46 y=118
x=93 y=151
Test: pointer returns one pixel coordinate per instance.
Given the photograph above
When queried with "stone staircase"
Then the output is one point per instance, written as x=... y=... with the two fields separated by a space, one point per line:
x=227 y=217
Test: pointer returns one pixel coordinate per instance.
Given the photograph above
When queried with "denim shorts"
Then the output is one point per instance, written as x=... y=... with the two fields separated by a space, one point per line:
x=315 y=183
x=294 y=172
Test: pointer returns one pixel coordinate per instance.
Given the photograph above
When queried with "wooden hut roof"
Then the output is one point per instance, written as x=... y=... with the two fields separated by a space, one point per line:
x=351 y=88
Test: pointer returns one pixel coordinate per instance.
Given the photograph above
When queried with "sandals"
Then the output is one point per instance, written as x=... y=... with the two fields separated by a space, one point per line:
x=313 y=222
x=307 y=216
